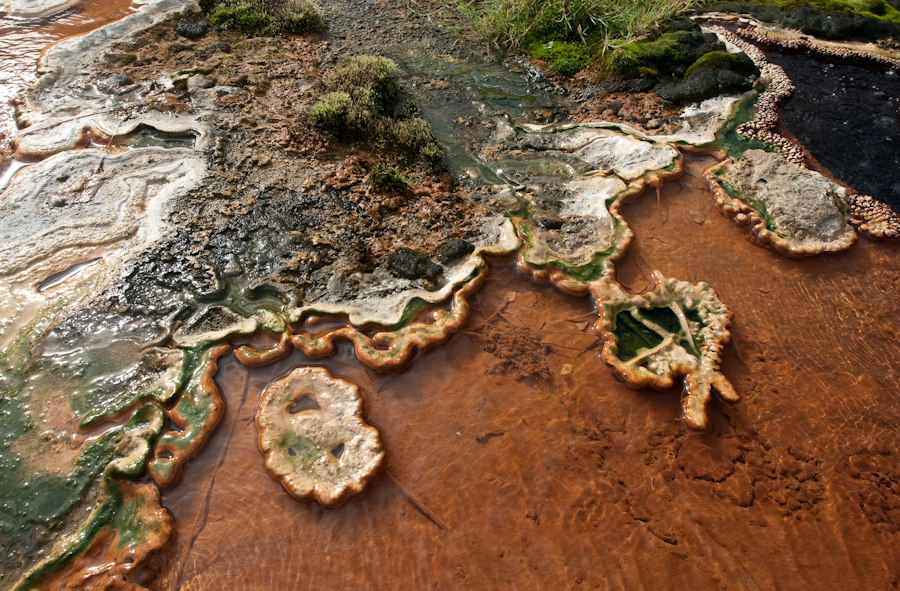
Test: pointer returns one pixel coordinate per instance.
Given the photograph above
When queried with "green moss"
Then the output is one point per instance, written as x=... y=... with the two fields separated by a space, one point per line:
x=387 y=178
x=645 y=58
x=864 y=20
x=414 y=140
x=713 y=59
x=564 y=58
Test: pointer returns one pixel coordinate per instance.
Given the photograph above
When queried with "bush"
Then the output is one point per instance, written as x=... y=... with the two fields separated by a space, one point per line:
x=334 y=113
x=372 y=82
x=414 y=140
x=265 y=17
x=357 y=93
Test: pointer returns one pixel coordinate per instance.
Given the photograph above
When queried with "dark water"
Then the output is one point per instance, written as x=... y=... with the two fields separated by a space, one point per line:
x=848 y=116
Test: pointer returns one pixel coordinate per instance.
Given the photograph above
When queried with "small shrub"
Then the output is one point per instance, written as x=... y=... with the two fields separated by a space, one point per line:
x=334 y=113
x=265 y=17
x=372 y=82
x=387 y=178
x=414 y=141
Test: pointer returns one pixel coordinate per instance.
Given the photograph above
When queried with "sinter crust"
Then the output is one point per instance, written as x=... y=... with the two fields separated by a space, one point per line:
x=693 y=350
x=323 y=450
x=798 y=212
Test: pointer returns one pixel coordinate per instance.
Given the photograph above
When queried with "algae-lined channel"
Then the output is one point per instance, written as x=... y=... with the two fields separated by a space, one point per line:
x=548 y=445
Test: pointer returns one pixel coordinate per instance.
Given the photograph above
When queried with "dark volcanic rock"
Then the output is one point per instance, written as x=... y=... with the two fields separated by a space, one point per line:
x=193 y=30
x=454 y=249
x=412 y=264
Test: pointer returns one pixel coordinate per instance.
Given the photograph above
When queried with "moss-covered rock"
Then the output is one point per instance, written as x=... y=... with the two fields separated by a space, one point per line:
x=563 y=58
x=859 y=20
x=453 y=250
x=665 y=55
x=714 y=73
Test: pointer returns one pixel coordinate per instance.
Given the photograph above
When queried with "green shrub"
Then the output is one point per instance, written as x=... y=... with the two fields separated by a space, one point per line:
x=372 y=82
x=265 y=17
x=356 y=94
x=241 y=15
x=414 y=141
x=387 y=178
x=334 y=113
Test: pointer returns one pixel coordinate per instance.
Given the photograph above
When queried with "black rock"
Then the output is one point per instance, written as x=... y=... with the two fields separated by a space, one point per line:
x=413 y=264
x=454 y=249
x=549 y=223
x=114 y=83
x=193 y=30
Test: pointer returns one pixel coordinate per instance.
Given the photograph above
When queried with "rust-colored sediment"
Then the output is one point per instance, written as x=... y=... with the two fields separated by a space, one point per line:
x=112 y=560
x=575 y=480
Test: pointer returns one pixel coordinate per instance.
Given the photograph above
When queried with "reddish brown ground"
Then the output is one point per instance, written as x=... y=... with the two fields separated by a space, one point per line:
x=577 y=481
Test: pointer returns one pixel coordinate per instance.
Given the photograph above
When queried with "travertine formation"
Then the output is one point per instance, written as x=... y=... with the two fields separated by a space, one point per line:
x=384 y=351
x=778 y=88
x=676 y=329
x=798 y=211
x=872 y=217
x=35 y=8
x=314 y=438
x=194 y=417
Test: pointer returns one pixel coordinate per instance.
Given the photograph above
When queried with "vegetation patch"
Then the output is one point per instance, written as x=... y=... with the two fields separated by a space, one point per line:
x=668 y=54
x=362 y=100
x=562 y=57
x=387 y=178
x=265 y=17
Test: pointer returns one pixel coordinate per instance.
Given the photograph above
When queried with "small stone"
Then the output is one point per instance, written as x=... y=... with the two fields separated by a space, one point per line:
x=193 y=30
x=199 y=81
